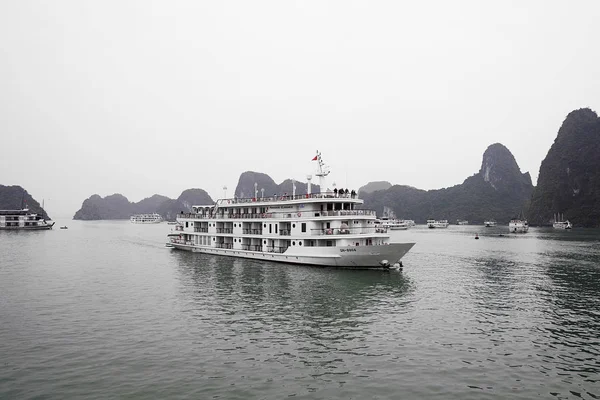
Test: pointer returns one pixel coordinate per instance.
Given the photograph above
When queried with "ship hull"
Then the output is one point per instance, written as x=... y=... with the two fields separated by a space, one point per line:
x=360 y=257
x=26 y=228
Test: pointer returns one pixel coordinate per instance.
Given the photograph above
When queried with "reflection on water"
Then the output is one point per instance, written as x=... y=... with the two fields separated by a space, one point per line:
x=103 y=310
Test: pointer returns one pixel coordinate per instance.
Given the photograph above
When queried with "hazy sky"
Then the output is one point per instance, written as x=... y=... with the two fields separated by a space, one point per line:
x=144 y=97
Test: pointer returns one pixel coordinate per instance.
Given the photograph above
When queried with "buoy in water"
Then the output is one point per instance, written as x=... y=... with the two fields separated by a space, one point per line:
x=476 y=236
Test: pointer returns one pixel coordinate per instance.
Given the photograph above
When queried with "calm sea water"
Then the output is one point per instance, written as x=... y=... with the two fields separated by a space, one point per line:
x=103 y=310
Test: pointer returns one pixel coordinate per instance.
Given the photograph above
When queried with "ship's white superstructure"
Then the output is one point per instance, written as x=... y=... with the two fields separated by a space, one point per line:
x=434 y=223
x=146 y=218
x=489 y=223
x=326 y=229
x=23 y=220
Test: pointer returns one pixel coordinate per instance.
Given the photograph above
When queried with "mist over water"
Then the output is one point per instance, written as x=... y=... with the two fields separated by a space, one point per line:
x=104 y=310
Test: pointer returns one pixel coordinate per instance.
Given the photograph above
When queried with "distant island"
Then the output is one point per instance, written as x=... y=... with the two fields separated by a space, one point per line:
x=569 y=179
x=117 y=206
x=498 y=191
x=16 y=198
x=569 y=184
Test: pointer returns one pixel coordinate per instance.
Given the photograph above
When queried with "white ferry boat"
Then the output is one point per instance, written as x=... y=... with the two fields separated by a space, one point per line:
x=560 y=224
x=23 y=220
x=489 y=223
x=391 y=224
x=146 y=218
x=518 y=226
x=462 y=222
x=433 y=223
x=325 y=229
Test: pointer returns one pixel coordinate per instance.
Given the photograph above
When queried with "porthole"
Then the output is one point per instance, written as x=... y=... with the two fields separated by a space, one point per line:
x=264 y=242
x=293 y=243
x=299 y=243
x=293 y=225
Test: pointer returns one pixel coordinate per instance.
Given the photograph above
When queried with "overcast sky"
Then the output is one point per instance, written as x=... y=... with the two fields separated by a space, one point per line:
x=144 y=97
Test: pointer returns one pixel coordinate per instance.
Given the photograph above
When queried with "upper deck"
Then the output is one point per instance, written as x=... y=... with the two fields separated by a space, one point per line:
x=286 y=200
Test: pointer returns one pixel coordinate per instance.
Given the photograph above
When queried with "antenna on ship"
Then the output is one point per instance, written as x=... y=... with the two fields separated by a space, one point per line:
x=262 y=193
x=322 y=171
x=255 y=190
x=293 y=188
x=308 y=186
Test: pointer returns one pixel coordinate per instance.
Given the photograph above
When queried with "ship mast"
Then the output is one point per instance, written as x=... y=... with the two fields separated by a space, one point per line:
x=322 y=171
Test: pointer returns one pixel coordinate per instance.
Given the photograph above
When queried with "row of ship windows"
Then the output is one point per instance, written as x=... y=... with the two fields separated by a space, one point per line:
x=303 y=226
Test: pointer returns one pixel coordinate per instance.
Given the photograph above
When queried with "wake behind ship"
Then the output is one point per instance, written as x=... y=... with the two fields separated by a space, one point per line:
x=326 y=229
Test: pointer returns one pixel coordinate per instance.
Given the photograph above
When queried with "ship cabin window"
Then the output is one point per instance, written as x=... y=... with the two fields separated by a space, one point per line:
x=329 y=243
x=303 y=227
x=270 y=228
x=329 y=207
x=275 y=228
x=186 y=224
x=329 y=225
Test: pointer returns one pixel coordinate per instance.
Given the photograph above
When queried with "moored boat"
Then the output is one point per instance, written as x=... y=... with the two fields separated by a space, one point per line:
x=489 y=223
x=324 y=229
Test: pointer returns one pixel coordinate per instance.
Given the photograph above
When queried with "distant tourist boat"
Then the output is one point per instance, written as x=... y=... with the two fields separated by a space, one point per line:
x=324 y=229
x=433 y=223
x=146 y=218
x=409 y=222
x=559 y=223
x=462 y=222
x=389 y=221
x=518 y=226
x=391 y=224
x=489 y=223
x=23 y=220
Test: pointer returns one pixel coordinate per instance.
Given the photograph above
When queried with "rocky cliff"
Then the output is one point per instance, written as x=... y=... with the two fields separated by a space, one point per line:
x=374 y=186
x=245 y=186
x=16 y=198
x=117 y=206
x=499 y=191
x=569 y=179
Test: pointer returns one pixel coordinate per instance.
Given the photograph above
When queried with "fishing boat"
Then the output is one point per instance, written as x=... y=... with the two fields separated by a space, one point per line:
x=325 y=229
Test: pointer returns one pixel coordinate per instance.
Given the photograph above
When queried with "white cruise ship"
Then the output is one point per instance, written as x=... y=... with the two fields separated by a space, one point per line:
x=518 y=226
x=325 y=229
x=146 y=218
x=433 y=223
x=560 y=224
x=23 y=220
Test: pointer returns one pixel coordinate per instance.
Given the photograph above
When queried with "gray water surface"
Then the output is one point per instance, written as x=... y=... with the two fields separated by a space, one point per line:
x=103 y=310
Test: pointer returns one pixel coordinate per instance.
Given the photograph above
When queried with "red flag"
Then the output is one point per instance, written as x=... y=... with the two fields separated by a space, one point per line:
x=315 y=159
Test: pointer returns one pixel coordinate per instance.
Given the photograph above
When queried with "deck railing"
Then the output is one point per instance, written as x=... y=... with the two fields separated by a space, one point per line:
x=281 y=215
x=347 y=231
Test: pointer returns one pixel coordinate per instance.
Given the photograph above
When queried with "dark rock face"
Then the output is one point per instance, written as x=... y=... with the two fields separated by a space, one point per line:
x=374 y=186
x=245 y=186
x=117 y=206
x=16 y=198
x=569 y=179
x=499 y=191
